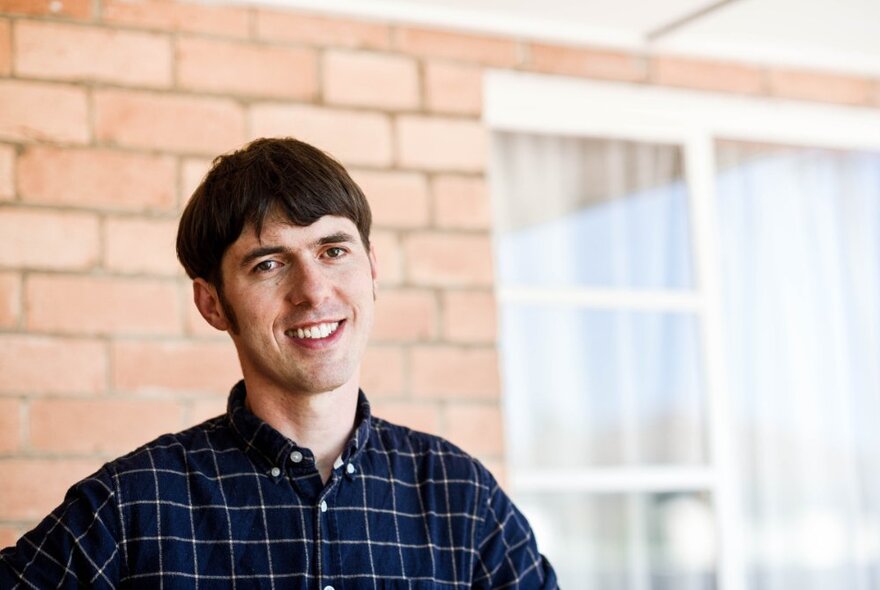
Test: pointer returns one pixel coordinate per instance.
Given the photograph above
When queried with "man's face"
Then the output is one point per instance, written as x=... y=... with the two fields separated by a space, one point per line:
x=303 y=301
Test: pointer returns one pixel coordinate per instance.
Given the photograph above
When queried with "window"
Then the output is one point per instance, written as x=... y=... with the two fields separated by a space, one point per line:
x=689 y=289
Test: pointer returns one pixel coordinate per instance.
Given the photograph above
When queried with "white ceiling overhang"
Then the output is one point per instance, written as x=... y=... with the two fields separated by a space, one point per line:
x=836 y=35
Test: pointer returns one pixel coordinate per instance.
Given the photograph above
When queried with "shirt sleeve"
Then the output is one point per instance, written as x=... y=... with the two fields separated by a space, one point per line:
x=507 y=554
x=76 y=546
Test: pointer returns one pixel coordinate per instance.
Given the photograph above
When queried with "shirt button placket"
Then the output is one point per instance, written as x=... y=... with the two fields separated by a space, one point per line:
x=322 y=524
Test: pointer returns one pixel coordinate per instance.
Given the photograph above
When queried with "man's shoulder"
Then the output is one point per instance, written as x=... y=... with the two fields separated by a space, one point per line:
x=404 y=439
x=175 y=450
x=429 y=453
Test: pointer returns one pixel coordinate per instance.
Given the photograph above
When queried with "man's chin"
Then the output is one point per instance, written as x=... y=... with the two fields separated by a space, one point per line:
x=318 y=384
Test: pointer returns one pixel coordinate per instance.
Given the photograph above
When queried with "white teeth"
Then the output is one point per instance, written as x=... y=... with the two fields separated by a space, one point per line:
x=315 y=332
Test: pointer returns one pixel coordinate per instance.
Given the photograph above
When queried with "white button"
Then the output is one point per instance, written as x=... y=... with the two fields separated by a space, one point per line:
x=349 y=468
x=323 y=506
x=296 y=456
x=329 y=588
x=275 y=472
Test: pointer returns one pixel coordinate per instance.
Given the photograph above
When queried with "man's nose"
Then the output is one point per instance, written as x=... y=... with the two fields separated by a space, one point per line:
x=309 y=285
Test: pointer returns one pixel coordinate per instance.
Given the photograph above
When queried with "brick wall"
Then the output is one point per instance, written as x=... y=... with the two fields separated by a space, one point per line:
x=110 y=111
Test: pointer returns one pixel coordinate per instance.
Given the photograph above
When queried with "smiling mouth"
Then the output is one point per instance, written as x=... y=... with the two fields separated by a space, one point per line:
x=316 y=332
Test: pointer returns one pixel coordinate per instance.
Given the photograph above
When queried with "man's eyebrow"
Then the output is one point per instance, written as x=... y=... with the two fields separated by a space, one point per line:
x=260 y=252
x=336 y=238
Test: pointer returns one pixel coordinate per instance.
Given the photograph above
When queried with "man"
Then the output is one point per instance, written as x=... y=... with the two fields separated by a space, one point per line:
x=297 y=485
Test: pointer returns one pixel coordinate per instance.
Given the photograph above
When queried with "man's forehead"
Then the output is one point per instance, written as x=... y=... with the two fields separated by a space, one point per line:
x=278 y=228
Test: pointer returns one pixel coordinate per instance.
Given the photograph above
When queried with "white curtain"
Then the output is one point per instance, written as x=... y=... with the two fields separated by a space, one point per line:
x=800 y=267
x=800 y=233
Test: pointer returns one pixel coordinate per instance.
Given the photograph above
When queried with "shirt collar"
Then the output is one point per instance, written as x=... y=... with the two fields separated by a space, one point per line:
x=269 y=448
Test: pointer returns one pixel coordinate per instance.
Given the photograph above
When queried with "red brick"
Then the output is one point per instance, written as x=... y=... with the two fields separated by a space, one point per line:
x=106 y=179
x=389 y=258
x=397 y=199
x=9 y=535
x=349 y=136
x=435 y=143
x=454 y=88
x=5 y=48
x=101 y=305
x=405 y=315
x=448 y=371
x=493 y=51
x=80 y=9
x=10 y=299
x=382 y=371
x=205 y=408
x=7 y=177
x=370 y=80
x=69 y=52
x=246 y=69
x=461 y=202
x=33 y=487
x=470 y=316
x=707 y=75
x=176 y=123
x=805 y=85
x=193 y=171
x=182 y=16
x=320 y=30
x=38 y=364
x=421 y=416
x=440 y=259
x=99 y=425
x=10 y=425
x=592 y=63
x=48 y=240
x=43 y=112
x=477 y=428
x=174 y=366
x=141 y=246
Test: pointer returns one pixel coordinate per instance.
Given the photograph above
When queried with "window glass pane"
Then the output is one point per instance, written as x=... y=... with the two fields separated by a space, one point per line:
x=621 y=542
x=800 y=238
x=590 y=212
x=598 y=387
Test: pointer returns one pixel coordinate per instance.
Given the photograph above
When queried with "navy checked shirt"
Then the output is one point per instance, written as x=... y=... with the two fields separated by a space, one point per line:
x=232 y=503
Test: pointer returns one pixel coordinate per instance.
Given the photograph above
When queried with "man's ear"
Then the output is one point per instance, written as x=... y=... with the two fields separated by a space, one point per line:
x=208 y=303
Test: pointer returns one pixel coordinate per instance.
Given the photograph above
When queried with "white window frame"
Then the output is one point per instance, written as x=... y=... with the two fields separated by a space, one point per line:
x=524 y=102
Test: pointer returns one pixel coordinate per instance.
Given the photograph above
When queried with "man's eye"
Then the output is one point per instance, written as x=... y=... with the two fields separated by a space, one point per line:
x=335 y=252
x=266 y=266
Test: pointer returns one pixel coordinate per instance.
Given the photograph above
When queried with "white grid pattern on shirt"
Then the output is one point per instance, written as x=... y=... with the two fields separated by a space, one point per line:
x=178 y=504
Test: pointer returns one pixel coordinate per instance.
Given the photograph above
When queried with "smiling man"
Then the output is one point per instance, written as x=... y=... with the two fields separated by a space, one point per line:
x=298 y=304
x=297 y=485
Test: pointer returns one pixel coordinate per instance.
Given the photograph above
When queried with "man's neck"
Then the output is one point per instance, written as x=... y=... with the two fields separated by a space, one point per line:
x=321 y=422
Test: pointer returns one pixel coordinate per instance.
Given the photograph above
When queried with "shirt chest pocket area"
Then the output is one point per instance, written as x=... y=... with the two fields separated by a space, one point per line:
x=416 y=585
